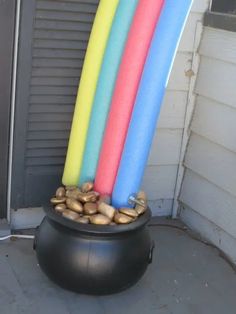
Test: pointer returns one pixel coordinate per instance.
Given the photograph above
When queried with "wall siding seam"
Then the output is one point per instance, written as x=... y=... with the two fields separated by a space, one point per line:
x=208 y=31
x=215 y=100
x=207 y=179
x=218 y=59
x=194 y=131
x=182 y=204
x=205 y=137
x=198 y=194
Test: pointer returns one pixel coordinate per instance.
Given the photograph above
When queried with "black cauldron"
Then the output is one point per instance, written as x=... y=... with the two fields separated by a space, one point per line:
x=93 y=259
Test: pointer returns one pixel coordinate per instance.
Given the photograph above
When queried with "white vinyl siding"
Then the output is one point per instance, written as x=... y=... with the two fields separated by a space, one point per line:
x=209 y=187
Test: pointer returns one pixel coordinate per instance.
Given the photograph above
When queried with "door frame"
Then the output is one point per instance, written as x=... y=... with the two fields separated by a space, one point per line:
x=7 y=38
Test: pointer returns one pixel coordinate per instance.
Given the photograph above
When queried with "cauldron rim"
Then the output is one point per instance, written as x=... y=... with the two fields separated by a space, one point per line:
x=97 y=229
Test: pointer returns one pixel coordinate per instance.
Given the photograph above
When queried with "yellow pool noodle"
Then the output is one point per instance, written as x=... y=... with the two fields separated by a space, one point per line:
x=87 y=88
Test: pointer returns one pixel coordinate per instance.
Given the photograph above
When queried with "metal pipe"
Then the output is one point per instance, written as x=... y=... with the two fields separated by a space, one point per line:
x=13 y=100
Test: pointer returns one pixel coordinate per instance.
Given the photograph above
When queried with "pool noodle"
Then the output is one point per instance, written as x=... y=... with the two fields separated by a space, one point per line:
x=129 y=74
x=92 y=63
x=149 y=99
x=107 y=77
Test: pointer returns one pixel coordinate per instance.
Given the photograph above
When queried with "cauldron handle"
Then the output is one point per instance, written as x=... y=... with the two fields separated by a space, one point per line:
x=150 y=256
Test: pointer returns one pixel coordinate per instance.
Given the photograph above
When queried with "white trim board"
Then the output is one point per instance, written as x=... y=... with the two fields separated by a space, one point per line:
x=188 y=116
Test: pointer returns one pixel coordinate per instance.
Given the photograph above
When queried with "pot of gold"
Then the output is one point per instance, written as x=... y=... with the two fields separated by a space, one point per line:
x=86 y=245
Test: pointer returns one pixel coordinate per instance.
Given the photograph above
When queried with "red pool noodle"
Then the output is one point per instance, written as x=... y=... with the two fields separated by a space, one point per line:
x=132 y=63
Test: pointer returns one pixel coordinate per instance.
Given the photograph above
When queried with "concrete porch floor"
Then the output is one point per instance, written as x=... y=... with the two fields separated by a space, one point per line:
x=186 y=277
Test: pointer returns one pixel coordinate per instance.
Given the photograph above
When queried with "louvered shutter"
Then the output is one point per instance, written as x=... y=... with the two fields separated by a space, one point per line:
x=53 y=40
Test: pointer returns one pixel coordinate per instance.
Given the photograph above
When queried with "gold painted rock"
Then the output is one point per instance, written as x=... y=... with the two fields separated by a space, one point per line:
x=100 y=219
x=88 y=197
x=55 y=200
x=142 y=196
x=90 y=208
x=74 y=193
x=74 y=205
x=106 y=210
x=129 y=212
x=60 y=192
x=86 y=216
x=122 y=218
x=140 y=209
x=70 y=214
x=82 y=220
x=71 y=187
x=87 y=187
x=60 y=207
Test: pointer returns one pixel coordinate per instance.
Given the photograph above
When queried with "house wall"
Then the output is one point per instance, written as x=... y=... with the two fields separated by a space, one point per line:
x=208 y=195
x=53 y=41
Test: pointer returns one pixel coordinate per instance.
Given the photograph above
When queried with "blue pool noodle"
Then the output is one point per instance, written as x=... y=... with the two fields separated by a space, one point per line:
x=149 y=99
x=105 y=86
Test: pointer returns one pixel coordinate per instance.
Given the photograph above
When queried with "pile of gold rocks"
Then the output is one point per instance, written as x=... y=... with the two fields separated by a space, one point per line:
x=84 y=205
